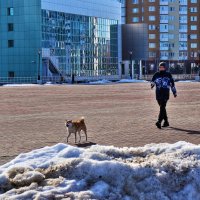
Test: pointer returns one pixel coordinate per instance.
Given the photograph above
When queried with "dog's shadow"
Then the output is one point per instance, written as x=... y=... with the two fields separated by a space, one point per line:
x=85 y=144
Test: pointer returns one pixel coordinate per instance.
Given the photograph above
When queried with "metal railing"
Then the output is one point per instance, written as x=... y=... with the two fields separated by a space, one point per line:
x=197 y=78
x=184 y=77
x=96 y=78
x=96 y=73
x=55 y=79
x=18 y=80
x=176 y=77
x=68 y=79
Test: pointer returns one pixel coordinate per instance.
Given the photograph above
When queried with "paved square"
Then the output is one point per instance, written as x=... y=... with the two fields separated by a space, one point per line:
x=118 y=114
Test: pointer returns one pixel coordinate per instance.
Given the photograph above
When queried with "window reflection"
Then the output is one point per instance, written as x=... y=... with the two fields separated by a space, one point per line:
x=86 y=45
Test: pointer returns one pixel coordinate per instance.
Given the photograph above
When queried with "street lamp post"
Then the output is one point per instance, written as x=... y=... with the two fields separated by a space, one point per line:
x=72 y=75
x=121 y=72
x=39 y=57
x=131 y=65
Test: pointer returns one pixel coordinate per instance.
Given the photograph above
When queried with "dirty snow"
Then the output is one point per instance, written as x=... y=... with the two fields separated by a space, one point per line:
x=100 y=82
x=20 y=85
x=132 y=81
x=187 y=81
x=152 y=172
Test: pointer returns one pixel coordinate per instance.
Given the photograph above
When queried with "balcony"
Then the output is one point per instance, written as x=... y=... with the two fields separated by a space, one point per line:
x=183 y=39
x=183 y=12
x=164 y=3
x=164 y=39
x=164 y=12
x=183 y=30
x=164 y=48
x=164 y=57
x=164 y=21
x=183 y=48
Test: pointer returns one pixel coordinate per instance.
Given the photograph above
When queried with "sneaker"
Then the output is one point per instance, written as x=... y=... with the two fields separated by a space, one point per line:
x=166 y=124
x=158 y=124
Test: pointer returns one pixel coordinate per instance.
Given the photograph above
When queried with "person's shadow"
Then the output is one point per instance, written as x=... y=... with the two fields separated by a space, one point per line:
x=191 y=132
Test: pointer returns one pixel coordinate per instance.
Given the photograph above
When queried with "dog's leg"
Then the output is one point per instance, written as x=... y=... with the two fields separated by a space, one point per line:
x=85 y=131
x=68 y=137
x=79 y=136
x=75 y=137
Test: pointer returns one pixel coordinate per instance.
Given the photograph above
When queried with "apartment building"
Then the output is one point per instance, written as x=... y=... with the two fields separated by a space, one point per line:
x=173 y=29
x=123 y=11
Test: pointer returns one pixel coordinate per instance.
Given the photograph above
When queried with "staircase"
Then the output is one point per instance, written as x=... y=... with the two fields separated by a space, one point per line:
x=52 y=64
x=53 y=69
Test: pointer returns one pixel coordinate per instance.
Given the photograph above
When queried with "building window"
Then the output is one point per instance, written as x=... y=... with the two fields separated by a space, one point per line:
x=135 y=19
x=152 y=18
x=172 y=9
x=193 y=36
x=10 y=43
x=193 y=45
x=183 y=9
x=152 y=36
x=183 y=28
x=135 y=1
x=193 y=27
x=193 y=18
x=10 y=11
x=152 y=45
x=152 y=27
x=193 y=9
x=152 y=54
x=10 y=27
x=164 y=36
x=183 y=19
x=135 y=10
x=11 y=74
x=164 y=28
x=152 y=8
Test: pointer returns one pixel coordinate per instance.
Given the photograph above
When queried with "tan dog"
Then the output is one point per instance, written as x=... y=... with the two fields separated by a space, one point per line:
x=76 y=127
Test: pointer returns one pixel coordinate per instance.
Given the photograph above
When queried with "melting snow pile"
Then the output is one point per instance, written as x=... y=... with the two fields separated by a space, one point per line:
x=20 y=85
x=100 y=82
x=132 y=81
x=153 y=172
x=187 y=81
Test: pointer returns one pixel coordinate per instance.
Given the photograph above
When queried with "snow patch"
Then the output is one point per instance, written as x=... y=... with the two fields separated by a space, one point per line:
x=100 y=82
x=132 y=81
x=187 y=81
x=49 y=83
x=152 y=172
x=20 y=85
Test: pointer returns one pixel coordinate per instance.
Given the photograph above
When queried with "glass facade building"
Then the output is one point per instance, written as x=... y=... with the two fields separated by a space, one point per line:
x=82 y=44
x=53 y=38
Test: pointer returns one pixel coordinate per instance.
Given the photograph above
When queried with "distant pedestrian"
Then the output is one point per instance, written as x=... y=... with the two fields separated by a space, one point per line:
x=163 y=81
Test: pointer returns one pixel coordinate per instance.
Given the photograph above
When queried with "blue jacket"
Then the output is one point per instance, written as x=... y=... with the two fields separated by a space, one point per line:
x=163 y=82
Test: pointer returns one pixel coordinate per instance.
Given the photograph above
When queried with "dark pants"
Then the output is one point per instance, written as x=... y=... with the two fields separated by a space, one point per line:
x=163 y=113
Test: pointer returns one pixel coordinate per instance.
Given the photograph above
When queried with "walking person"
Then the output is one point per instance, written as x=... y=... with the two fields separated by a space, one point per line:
x=163 y=81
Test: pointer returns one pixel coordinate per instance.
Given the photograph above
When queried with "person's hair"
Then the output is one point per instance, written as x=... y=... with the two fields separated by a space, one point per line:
x=163 y=64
